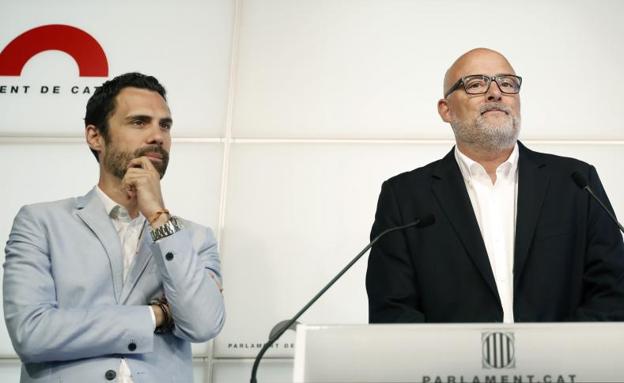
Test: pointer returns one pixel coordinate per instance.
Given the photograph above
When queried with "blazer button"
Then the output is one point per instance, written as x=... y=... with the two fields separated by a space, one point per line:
x=132 y=346
x=110 y=375
x=169 y=256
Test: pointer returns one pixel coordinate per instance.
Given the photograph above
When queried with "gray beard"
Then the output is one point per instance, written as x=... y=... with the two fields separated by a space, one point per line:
x=484 y=135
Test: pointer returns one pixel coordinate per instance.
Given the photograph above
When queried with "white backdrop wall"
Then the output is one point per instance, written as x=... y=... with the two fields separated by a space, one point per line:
x=288 y=116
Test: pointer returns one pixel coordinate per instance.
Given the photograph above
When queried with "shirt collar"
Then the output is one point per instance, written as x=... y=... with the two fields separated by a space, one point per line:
x=470 y=168
x=113 y=209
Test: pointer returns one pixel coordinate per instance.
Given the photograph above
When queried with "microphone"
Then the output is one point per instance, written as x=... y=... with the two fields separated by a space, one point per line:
x=581 y=182
x=281 y=327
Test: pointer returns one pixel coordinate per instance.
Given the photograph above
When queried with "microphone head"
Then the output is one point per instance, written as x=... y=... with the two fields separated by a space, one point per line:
x=579 y=179
x=426 y=220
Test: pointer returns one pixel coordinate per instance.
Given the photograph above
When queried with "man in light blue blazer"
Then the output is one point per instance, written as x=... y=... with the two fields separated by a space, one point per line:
x=111 y=286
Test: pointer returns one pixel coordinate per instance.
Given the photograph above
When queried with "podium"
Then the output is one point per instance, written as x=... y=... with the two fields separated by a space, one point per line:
x=460 y=353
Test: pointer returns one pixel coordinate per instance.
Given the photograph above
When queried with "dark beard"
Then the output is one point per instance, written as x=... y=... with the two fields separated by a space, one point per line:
x=117 y=161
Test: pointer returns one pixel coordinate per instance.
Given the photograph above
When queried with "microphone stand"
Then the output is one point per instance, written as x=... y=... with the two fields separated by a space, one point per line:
x=278 y=333
x=583 y=184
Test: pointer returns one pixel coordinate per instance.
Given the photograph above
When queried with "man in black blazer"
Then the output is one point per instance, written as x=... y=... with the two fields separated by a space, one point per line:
x=514 y=238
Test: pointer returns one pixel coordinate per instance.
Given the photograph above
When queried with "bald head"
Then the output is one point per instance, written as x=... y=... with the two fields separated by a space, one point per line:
x=476 y=61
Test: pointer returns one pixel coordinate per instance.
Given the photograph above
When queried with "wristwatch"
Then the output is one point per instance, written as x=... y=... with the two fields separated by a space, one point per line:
x=173 y=225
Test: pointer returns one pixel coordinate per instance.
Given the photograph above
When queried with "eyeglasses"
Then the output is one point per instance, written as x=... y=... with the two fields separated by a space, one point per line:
x=480 y=84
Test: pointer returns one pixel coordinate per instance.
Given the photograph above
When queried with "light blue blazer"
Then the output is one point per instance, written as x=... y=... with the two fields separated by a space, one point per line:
x=71 y=317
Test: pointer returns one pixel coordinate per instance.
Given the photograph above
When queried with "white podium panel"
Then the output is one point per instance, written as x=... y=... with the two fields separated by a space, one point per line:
x=460 y=353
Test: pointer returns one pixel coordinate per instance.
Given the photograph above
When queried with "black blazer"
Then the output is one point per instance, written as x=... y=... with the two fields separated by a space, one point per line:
x=568 y=259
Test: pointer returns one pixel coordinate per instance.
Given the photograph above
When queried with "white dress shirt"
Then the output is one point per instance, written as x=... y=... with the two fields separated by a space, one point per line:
x=130 y=232
x=494 y=205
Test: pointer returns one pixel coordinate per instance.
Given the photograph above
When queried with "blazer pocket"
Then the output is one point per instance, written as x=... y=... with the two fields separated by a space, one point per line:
x=543 y=233
x=39 y=371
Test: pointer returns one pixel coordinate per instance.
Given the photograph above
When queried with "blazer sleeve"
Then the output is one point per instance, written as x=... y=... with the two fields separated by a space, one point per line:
x=391 y=282
x=603 y=277
x=42 y=331
x=191 y=278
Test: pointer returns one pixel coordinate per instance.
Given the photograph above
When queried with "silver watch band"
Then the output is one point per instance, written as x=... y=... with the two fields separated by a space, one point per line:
x=173 y=225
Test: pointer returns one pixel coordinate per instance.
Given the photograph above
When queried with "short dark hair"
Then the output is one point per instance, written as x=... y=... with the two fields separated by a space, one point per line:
x=102 y=103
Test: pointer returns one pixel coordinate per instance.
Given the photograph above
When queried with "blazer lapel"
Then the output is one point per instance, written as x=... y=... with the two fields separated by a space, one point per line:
x=139 y=264
x=92 y=212
x=450 y=190
x=533 y=182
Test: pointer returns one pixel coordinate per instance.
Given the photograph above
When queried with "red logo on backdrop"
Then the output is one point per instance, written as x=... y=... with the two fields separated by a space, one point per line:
x=80 y=45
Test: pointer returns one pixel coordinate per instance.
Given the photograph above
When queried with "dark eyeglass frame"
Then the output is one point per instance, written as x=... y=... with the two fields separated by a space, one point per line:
x=461 y=83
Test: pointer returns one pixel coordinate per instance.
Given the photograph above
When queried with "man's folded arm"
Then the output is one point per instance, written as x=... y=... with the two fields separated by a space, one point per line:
x=192 y=282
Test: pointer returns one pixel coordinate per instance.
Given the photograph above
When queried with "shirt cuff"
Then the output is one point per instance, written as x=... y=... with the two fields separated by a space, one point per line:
x=153 y=317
